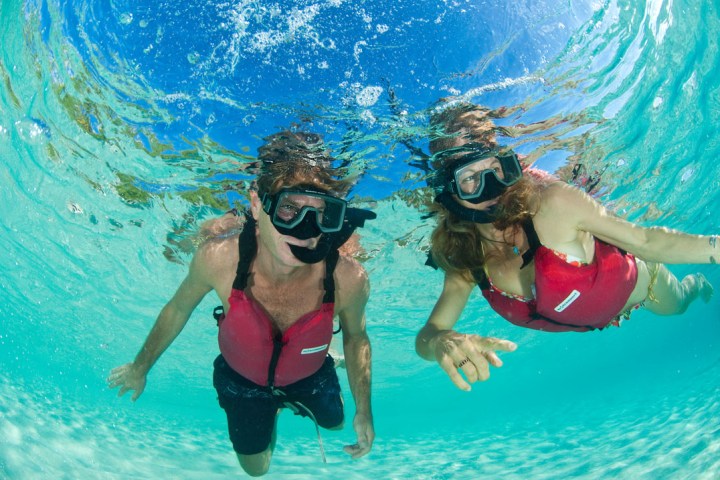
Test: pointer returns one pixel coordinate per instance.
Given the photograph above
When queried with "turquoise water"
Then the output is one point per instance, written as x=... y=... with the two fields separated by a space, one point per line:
x=125 y=124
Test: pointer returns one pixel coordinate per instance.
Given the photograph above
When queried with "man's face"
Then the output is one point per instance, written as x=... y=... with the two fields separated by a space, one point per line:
x=277 y=244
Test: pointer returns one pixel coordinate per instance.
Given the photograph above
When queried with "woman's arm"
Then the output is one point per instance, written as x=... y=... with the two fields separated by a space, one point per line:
x=656 y=244
x=452 y=350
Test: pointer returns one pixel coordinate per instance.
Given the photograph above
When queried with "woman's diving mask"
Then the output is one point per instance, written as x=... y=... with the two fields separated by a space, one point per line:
x=480 y=173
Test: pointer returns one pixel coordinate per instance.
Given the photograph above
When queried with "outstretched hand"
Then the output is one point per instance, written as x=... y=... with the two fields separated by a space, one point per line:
x=471 y=354
x=127 y=378
x=363 y=426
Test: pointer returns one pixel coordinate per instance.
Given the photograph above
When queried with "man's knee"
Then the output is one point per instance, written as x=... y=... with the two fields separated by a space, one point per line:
x=339 y=426
x=256 y=465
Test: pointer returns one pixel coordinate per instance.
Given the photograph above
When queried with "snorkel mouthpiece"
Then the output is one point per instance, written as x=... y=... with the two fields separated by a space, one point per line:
x=312 y=255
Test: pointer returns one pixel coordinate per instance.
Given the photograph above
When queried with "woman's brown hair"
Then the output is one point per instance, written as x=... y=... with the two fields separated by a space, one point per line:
x=456 y=243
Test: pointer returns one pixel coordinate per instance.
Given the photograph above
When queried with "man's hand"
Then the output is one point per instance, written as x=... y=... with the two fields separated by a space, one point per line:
x=471 y=354
x=127 y=378
x=363 y=426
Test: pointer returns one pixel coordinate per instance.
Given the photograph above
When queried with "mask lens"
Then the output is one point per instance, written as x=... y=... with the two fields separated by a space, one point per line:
x=292 y=207
x=484 y=176
x=471 y=178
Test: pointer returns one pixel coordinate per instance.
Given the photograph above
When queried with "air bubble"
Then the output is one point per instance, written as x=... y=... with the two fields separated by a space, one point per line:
x=368 y=96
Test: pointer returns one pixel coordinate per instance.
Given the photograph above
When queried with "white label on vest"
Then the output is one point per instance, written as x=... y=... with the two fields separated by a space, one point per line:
x=306 y=351
x=574 y=295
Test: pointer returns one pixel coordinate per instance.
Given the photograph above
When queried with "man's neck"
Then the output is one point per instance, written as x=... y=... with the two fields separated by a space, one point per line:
x=276 y=272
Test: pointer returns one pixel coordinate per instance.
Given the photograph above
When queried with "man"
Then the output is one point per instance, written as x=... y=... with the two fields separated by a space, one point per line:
x=281 y=281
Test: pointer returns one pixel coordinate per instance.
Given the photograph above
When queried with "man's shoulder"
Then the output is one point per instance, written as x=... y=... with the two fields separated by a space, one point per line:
x=351 y=276
x=217 y=252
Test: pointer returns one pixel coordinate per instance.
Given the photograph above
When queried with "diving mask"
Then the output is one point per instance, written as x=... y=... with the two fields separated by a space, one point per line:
x=303 y=212
x=481 y=173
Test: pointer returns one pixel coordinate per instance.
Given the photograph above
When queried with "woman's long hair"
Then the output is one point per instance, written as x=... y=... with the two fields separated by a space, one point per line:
x=456 y=244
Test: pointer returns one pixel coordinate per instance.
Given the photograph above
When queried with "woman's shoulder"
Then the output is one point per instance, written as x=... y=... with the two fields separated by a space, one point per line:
x=559 y=193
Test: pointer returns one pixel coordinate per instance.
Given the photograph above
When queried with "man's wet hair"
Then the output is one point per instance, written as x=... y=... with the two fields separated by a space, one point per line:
x=289 y=159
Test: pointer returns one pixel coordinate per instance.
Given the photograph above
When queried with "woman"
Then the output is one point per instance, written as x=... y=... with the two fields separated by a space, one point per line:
x=545 y=254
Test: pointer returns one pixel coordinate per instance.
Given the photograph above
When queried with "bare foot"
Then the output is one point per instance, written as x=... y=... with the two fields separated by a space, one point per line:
x=705 y=289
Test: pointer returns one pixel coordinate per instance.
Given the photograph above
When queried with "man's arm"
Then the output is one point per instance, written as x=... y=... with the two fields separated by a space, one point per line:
x=171 y=320
x=353 y=293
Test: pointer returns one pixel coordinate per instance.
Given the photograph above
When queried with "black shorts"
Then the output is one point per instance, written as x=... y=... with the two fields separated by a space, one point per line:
x=251 y=408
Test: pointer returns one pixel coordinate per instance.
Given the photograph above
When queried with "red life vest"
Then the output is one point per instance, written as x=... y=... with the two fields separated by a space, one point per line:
x=568 y=297
x=246 y=335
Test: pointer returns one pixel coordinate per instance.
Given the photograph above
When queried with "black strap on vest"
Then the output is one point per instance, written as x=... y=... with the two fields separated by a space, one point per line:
x=247 y=249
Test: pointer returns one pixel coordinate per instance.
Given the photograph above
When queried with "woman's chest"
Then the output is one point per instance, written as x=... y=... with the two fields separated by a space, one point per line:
x=509 y=276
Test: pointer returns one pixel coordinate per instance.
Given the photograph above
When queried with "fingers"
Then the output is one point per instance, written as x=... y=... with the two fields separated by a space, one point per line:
x=114 y=380
x=356 y=451
x=136 y=394
x=472 y=355
x=365 y=437
x=490 y=343
x=447 y=364
x=123 y=377
x=117 y=376
x=493 y=359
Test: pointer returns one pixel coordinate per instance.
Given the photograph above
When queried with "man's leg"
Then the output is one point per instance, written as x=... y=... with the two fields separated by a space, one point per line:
x=252 y=414
x=258 y=464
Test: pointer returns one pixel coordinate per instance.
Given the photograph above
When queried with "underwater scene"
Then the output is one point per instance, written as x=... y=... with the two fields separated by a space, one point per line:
x=124 y=126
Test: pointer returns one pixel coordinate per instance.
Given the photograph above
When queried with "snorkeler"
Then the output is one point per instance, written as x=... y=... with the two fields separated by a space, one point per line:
x=545 y=254
x=281 y=282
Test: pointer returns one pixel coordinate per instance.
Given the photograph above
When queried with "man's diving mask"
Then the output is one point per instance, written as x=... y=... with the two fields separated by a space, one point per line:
x=303 y=212
x=480 y=173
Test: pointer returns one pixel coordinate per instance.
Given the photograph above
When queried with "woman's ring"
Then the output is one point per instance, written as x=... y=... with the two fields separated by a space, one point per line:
x=463 y=362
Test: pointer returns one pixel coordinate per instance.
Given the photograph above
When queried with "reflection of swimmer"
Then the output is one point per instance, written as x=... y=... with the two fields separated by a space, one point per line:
x=588 y=182
x=544 y=254
x=282 y=280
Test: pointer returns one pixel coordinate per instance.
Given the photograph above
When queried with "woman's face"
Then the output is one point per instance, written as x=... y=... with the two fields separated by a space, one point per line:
x=470 y=179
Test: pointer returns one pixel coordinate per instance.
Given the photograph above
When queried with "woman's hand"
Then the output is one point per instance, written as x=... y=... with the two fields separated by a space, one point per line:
x=471 y=354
